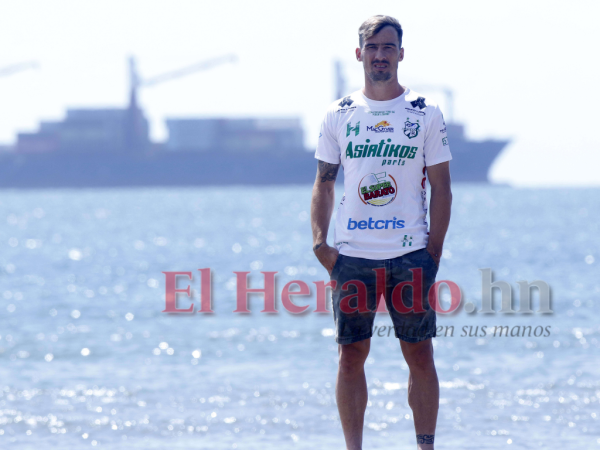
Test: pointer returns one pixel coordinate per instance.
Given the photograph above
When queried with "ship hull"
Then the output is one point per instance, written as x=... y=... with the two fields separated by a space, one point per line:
x=165 y=169
x=471 y=162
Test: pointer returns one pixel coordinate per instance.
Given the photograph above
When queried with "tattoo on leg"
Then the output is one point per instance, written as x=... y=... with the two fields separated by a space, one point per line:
x=327 y=172
x=425 y=438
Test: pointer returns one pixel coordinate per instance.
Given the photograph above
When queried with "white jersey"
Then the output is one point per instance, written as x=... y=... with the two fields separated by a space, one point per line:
x=384 y=148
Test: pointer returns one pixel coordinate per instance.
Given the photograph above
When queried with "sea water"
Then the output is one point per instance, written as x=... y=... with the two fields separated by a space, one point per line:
x=88 y=358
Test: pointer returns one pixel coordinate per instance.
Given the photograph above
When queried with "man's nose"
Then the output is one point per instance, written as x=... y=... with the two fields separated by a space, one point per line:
x=379 y=55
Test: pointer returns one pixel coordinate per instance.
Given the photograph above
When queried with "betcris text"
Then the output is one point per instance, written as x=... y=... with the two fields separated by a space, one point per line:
x=375 y=224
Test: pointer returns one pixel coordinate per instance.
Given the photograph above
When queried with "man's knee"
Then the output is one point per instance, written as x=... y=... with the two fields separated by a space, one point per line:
x=419 y=356
x=353 y=356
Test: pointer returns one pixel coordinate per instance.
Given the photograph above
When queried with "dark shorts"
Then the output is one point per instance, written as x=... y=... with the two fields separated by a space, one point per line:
x=355 y=299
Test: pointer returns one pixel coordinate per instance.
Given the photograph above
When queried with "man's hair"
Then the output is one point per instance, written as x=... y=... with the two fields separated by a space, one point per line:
x=374 y=25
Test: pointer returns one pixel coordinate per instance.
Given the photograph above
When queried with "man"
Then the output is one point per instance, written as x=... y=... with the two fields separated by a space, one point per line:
x=386 y=137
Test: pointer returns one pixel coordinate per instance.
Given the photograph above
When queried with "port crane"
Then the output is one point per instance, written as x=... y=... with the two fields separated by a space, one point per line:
x=136 y=135
x=136 y=82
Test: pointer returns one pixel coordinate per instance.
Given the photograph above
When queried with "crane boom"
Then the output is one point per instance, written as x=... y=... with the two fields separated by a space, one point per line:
x=136 y=133
x=9 y=70
x=136 y=82
x=204 y=65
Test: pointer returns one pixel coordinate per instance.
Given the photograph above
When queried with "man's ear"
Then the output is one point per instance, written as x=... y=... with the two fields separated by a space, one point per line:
x=401 y=57
x=358 y=54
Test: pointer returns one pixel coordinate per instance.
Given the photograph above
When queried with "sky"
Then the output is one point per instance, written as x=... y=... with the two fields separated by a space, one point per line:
x=525 y=71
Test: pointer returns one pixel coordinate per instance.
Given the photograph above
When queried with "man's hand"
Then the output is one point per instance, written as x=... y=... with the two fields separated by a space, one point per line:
x=326 y=255
x=435 y=254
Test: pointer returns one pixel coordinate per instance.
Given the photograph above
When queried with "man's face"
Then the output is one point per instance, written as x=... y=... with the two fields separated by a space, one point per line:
x=381 y=54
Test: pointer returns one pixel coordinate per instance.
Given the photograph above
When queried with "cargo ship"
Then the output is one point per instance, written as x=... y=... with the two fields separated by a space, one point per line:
x=111 y=148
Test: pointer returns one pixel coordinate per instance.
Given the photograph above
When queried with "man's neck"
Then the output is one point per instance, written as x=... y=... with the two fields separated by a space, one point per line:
x=382 y=91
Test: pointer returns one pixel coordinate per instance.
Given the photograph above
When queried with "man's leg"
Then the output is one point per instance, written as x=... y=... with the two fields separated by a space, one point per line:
x=351 y=391
x=423 y=390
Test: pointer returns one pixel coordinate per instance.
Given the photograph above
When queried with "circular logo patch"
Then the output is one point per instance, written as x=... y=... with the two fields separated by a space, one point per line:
x=377 y=189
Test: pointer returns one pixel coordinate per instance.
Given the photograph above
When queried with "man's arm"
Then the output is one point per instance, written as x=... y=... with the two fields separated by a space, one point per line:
x=439 y=207
x=321 y=208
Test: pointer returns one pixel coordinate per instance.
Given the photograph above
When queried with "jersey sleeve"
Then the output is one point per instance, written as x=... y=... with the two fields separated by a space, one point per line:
x=437 y=148
x=328 y=149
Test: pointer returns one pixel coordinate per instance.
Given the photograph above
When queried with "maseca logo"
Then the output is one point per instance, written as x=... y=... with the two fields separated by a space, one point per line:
x=382 y=127
x=377 y=189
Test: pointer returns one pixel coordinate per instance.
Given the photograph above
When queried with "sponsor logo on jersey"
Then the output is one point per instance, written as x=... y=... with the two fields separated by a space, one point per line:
x=345 y=110
x=445 y=141
x=387 y=224
x=350 y=129
x=344 y=105
x=381 y=113
x=411 y=130
x=347 y=101
x=407 y=241
x=377 y=189
x=414 y=111
x=381 y=150
x=382 y=127
x=419 y=103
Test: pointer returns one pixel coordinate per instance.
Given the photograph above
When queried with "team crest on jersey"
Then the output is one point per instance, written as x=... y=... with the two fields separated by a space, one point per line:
x=377 y=189
x=411 y=130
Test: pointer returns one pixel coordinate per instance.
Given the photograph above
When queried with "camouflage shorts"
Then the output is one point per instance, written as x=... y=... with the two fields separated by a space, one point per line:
x=355 y=296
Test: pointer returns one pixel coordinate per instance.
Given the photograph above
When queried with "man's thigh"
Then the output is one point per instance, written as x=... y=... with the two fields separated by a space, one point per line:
x=414 y=319
x=354 y=298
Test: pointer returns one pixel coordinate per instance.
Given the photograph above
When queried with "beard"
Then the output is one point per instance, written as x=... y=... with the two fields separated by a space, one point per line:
x=380 y=76
x=376 y=75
